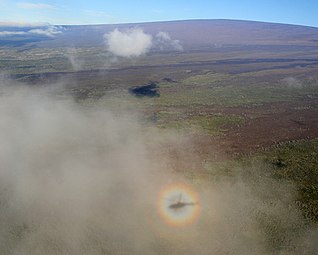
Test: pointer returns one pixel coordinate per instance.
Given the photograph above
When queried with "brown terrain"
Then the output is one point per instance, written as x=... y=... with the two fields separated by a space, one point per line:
x=253 y=55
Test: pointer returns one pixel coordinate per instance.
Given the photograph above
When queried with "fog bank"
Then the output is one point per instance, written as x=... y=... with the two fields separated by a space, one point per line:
x=80 y=179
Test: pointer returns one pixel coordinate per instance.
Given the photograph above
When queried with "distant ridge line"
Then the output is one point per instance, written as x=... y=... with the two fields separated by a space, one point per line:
x=189 y=20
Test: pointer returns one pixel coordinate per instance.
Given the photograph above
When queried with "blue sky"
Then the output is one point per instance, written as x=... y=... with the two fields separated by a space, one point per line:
x=303 y=12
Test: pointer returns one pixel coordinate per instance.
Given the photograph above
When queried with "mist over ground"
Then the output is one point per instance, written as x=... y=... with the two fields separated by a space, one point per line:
x=78 y=179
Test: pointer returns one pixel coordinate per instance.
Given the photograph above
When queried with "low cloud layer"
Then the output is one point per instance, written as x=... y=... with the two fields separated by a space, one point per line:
x=135 y=42
x=10 y=33
x=78 y=179
x=73 y=180
x=48 y=31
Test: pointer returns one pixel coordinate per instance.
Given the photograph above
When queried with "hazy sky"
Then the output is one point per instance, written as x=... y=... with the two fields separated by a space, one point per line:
x=302 y=12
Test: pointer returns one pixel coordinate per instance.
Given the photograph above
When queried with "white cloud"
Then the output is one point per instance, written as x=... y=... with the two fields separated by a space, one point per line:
x=131 y=43
x=163 y=41
x=163 y=36
x=34 y=6
x=49 y=31
x=136 y=42
x=9 y=33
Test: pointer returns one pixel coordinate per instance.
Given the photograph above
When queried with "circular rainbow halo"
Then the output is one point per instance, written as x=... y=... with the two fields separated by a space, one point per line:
x=178 y=205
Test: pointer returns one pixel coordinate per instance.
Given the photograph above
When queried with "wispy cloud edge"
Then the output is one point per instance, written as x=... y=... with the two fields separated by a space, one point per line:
x=35 y=6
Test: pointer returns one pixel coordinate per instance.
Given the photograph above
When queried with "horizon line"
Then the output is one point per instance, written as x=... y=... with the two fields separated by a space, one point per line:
x=43 y=24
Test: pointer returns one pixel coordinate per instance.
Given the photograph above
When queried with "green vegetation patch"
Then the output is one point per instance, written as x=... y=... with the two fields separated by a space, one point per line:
x=294 y=163
x=215 y=124
x=230 y=95
x=298 y=162
x=206 y=79
x=284 y=184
